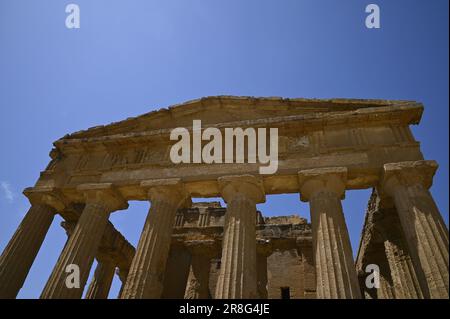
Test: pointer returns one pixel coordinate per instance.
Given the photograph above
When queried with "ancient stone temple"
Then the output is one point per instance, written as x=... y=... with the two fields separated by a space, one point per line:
x=325 y=148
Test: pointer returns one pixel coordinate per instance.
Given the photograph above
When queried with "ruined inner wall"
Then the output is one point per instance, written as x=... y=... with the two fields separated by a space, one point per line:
x=286 y=239
x=291 y=271
x=285 y=273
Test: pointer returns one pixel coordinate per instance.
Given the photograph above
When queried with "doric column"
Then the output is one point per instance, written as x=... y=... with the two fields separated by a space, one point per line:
x=102 y=280
x=405 y=283
x=19 y=254
x=425 y=231
x=263 y=250
x=335 y=270
x=177 y=271
x=123 y=279
x=385 y=290
x=375 y=255
x=404 y=278
x=146 y=275
x=81 y=247
x=198 y=281
x=237 y=278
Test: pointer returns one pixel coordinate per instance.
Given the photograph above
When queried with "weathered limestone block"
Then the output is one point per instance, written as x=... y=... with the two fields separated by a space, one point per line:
x=102 y=280
x=336 y=274
x=81 y=247
x=425 y=231
x=237 y=278
x=145 y=278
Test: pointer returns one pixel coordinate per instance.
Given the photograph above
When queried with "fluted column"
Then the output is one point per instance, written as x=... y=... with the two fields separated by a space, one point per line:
x=19 y=254
x=335 y=270
x=377 y=256
x=237 y=277
x=263 y=250
x=425 y=231
x=404 y=279
x=102 y=280
x=22 y=249
x=405 y=283
x=202 y=251
x=146 y=275
x=177 y=271
x=81 y=247
x=122 y=273
x=385 y=291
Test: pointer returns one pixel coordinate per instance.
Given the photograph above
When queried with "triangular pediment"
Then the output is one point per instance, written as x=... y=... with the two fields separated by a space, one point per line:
x=223 y=109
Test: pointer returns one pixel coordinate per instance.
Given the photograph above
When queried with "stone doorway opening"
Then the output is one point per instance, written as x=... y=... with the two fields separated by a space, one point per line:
x=285 y=293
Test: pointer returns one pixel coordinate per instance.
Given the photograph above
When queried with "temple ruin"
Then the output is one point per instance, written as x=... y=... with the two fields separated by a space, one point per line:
x=202 y=250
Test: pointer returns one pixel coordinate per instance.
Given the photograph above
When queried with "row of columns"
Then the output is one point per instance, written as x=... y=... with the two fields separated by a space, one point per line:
x=102 y=279
x=426 y=234
x=407 y=183
x=81 y=247
x=385 y=246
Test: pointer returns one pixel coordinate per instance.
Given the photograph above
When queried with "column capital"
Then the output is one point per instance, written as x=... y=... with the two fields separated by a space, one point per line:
x=247 y=185
x=49 y=196
x=408 y=174
x=103 y=193
x=170 y=190
x=331 y=179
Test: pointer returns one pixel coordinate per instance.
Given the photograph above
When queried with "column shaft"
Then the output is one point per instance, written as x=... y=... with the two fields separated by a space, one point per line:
x=80 y=250
x=198 y=280
x=177 y=272
x=102 y=280
x=19 y=254
x=385 y=290
x=426 y=236
x=335 y=269
x=404 y=279
x=145 y=278
x=237 y=278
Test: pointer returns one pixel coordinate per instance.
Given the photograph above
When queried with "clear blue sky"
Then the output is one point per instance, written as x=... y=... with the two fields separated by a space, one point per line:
x=131 y=57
